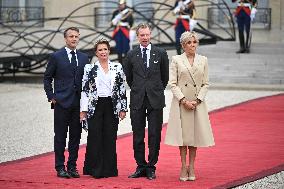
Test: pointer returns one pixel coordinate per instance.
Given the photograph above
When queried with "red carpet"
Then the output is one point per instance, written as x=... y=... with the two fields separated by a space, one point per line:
x=249 y=145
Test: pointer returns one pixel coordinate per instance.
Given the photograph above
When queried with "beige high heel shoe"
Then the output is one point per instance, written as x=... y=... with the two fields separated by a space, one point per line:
x=191 y=176
x=183 y=178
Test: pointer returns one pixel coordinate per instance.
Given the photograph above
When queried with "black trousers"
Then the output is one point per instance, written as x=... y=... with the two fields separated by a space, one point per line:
x=138 y=121
x=244 y=22
x=65 y=118
x=100 y=157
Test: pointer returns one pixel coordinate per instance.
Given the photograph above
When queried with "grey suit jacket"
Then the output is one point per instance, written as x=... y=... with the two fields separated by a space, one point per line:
x=151 y=81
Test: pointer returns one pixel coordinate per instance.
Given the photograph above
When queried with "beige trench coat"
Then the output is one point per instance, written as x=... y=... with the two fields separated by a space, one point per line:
x=189 y=127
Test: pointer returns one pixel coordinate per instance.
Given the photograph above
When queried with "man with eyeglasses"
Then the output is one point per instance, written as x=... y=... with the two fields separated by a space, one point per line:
x=147 y=73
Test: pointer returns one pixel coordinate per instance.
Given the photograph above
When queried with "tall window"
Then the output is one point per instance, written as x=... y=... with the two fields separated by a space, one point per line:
x=103 y=14
x=21 y=12
x=145 y=8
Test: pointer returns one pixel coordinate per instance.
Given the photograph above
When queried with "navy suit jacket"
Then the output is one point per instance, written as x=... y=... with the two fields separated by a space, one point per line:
x=67 y=83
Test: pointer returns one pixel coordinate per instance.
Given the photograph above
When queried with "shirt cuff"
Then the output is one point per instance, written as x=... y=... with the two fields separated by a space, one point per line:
x=84 y=102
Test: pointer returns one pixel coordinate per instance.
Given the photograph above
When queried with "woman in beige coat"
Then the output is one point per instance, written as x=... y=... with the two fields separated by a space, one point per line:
x=189 y=124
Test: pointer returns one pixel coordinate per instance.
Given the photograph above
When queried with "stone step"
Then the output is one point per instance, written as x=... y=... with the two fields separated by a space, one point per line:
x=246 y=75
x=232 y=47
x=243 y=80
x=231 y=44
x=264 y=65
x=225 y=53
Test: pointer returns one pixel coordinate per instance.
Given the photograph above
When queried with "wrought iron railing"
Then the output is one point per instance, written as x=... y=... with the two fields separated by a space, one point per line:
x=27 y=48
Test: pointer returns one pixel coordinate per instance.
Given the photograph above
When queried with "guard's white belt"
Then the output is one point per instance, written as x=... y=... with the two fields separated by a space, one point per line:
x=123 y=24
x=244 y=5
x=184 y=16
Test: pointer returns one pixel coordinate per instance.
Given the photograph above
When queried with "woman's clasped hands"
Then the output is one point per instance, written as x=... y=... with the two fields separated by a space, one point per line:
x=189 y=105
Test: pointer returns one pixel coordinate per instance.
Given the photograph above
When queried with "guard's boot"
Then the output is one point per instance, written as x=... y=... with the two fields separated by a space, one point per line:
x=242 y=43
x=247 y=46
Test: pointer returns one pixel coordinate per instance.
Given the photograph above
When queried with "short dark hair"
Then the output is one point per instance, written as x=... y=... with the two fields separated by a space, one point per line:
x=70 y=28
x=142 y=25
x=101 y=41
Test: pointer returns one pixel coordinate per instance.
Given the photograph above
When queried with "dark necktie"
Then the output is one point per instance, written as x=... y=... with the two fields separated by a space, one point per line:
x=73 y=60
x=74 y=66
x=145 y=57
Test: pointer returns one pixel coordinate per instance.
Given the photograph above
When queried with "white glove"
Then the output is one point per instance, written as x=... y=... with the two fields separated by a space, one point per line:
x=118 y=17
x=179 y=7
x=192 y=24
x=252 y=14
x=186 y=2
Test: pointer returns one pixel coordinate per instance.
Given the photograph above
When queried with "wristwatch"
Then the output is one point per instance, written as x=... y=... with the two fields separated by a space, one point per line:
x=198 y=101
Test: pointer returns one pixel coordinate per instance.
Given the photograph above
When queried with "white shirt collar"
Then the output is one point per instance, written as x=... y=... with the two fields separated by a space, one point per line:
x=69 y=50
x=98 y=63
x=148 y=47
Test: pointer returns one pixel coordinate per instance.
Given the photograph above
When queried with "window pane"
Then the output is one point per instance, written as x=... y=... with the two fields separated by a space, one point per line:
x=10 y=3
x=34 y=3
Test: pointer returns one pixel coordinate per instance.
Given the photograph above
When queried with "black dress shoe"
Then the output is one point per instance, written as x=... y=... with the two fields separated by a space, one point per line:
x=138 y=173
x=151 y=175
x=63 y=174
x=241 y=51
x=73 y=172
x=247 y=50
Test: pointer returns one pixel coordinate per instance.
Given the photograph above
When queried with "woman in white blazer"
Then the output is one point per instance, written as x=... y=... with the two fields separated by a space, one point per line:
x=189 y=124
x=103 y=102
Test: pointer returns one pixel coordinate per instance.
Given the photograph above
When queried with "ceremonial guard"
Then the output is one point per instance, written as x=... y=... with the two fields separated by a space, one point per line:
x=244 y=13
x=185 y=12
x=122 y=20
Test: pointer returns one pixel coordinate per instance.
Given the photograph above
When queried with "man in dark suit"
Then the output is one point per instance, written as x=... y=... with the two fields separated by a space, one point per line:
x=147 y=73
x=65 y=70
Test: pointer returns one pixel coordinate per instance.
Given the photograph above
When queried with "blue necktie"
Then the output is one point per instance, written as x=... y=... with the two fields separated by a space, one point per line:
x=145 y=57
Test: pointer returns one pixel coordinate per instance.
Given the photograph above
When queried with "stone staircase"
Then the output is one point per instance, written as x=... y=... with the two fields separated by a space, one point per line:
x=264 y=65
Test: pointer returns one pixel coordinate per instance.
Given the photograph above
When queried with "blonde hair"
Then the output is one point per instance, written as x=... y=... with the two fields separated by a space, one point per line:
x=185 y=36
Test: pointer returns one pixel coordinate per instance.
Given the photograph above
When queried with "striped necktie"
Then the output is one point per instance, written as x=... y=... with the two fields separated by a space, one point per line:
x=145 y=57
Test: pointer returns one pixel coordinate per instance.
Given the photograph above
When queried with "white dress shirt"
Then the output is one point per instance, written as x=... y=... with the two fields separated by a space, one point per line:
x=104 y=82
x=70 y=55
x=147 y=52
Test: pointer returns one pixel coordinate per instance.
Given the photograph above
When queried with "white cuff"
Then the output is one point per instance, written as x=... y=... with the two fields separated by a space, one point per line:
x=84 y=102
